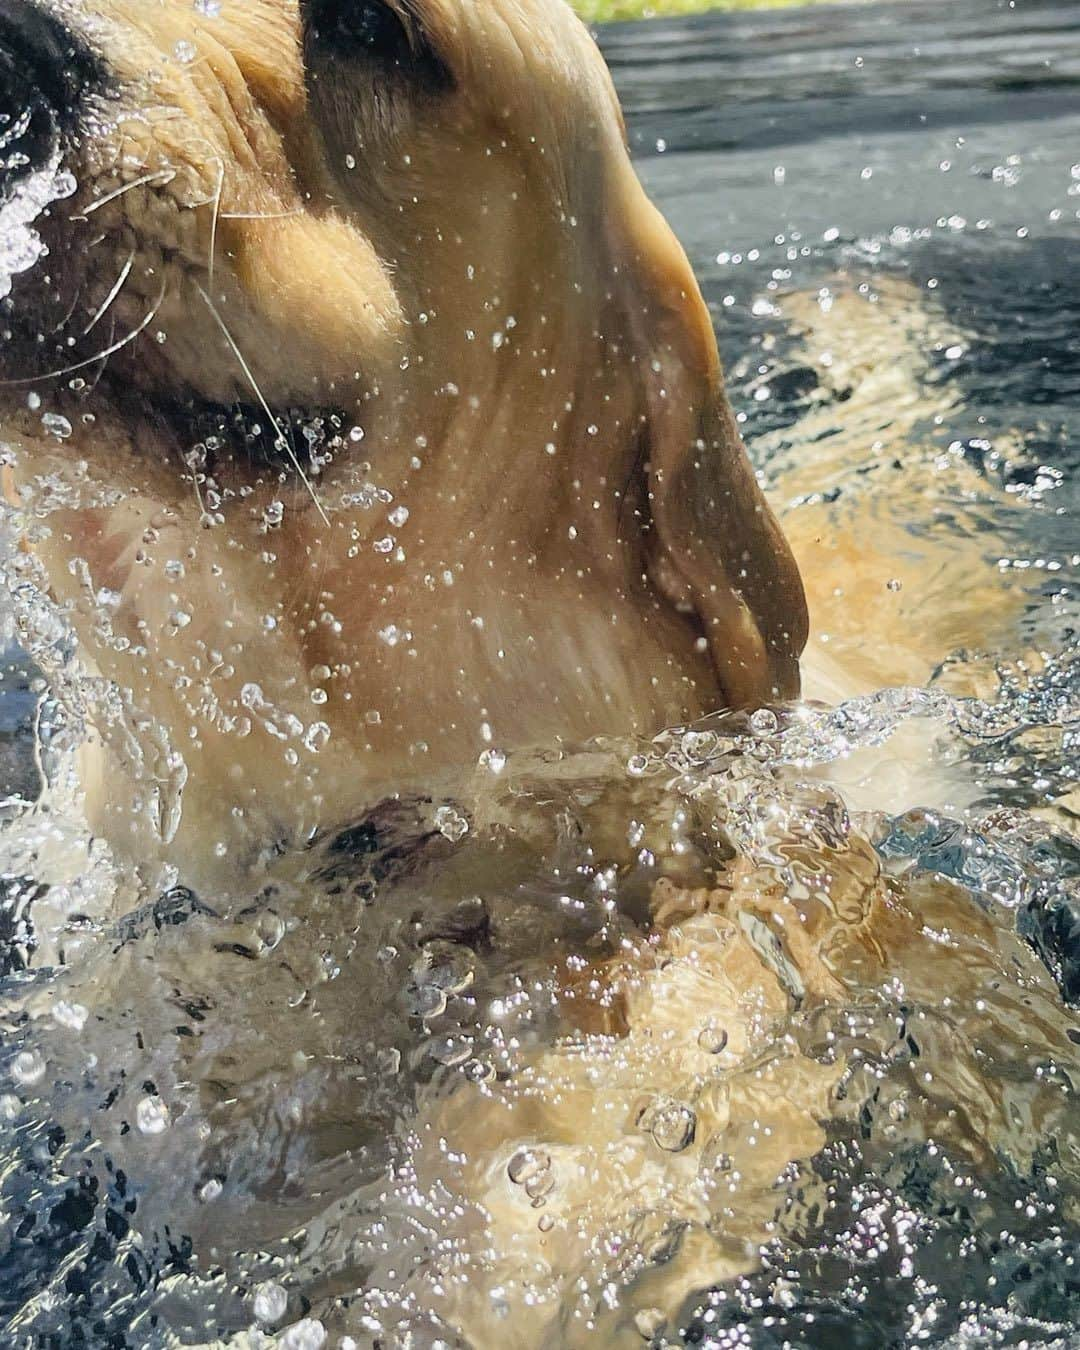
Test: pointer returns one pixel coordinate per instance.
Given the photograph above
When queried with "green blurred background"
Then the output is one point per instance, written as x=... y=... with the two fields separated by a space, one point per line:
x=600 y=11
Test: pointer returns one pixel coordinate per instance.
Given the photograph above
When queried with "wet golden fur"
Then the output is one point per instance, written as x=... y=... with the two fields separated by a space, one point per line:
x=474 y=277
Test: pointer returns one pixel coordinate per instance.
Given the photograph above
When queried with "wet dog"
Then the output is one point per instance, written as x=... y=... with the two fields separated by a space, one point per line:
x=363 y=413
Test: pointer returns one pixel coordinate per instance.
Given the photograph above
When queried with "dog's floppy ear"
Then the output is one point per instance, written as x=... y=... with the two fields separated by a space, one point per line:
x=713 y=544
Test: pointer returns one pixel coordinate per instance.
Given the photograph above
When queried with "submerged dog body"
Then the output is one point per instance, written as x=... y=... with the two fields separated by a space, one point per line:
x=374 y=397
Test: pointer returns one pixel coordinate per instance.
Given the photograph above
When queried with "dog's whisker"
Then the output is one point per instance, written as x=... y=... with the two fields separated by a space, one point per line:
x=259 y=215
x=214 y=224
x=117 y=287
x=159 y=176
x=279 y=432
x=59 y=328
x=102 y=355
x=101 y=369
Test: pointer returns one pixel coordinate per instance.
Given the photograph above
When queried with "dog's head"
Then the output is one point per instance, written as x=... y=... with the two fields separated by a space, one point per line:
x=289 y=254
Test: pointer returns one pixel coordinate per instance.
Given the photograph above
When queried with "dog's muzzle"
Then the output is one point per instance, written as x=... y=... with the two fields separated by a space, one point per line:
x=47 y=73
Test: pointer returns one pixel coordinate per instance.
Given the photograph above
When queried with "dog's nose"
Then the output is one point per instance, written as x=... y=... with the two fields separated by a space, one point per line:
x=46 y=72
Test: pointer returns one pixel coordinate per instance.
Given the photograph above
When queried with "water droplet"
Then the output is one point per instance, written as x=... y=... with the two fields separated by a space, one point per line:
x=316 y=737
x=210 y=1190
x=450 y=1050
x=251 y=696
x=672 y=1124
x=209 y=9
x=308 y=1334
x=28 y=1067
x=493 y=760
x=894 y=584
x=531 y=1169
x=152 y=1115
x=712 y=1038
x=715 y=1159
x=451 y=823
x=637 y=765
x=56 y=425
x=398 y=516
x=270 y=1302
x=764 y=722
x=785 y=1293
x=699 y=745
x=71 y=1015
x=270 y=929
x=427 y=1001
x=649 y=1322
x=184 y=52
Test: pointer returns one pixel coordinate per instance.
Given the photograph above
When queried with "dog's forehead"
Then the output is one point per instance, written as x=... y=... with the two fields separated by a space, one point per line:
x=493 y=46
x=168 y=42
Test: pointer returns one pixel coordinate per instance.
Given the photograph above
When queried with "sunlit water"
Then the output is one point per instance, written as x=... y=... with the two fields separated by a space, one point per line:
x=757 y=1034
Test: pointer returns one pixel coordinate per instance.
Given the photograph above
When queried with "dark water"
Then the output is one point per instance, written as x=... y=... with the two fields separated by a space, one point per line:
x=939 y=142
x=923 y=156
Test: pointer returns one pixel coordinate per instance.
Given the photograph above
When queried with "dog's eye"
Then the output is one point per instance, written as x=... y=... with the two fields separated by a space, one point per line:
x=368 y=25
x=385 y=31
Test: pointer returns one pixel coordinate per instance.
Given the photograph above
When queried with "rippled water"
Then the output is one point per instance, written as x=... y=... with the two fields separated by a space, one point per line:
x=761 y=1033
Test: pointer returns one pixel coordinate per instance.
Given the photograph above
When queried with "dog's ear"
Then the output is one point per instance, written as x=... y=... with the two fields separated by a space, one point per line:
x=713 y=546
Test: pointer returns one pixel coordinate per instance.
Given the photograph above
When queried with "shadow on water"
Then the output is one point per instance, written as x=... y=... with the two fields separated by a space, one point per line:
x=237 y=1112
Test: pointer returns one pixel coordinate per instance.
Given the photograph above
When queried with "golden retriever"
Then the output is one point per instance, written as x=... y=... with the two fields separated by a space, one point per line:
x=365 y=419
x=363 y=412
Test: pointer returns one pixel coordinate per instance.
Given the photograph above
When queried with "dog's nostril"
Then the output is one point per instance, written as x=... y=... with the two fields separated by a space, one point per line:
x=46 y=72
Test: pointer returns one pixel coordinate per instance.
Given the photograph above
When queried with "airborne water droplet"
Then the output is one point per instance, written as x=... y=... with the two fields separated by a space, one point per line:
x=56 y=425
x=712 y=1038
x=28 y=1067
x=270 y=1302
x=152 y=1115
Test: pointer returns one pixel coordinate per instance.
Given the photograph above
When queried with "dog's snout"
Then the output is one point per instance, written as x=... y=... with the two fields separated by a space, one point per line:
x=46 y=74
